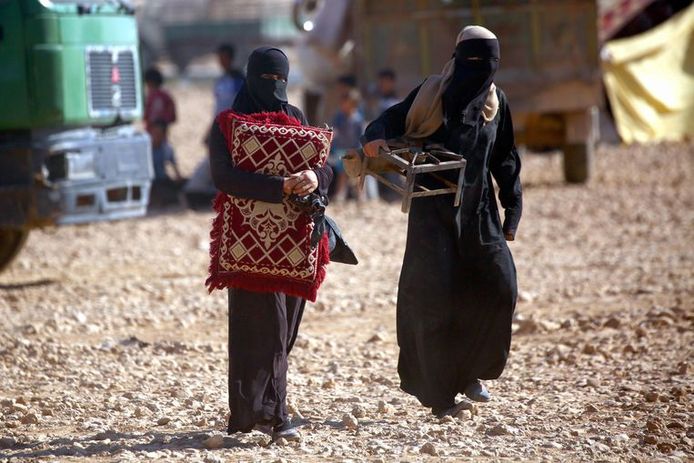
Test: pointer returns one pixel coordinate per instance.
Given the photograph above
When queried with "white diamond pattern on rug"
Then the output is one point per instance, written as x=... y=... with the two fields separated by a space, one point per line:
x=295 y=256
x=238 y=250
x=308 y=151
x=251 y=145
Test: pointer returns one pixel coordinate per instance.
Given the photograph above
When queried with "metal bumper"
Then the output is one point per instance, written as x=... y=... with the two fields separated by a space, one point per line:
x=80 y=176
x=99 y=175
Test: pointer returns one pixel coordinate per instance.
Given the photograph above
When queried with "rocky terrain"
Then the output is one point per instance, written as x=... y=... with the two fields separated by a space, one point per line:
x=112 y=350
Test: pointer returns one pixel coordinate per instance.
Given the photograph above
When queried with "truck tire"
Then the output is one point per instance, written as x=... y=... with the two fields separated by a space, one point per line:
x=11 y=242
x=578 y=162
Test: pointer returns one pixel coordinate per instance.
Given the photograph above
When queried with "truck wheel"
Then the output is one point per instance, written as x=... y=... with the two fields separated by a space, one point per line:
x=578 y=162
x=11 y=242
x=582 y=133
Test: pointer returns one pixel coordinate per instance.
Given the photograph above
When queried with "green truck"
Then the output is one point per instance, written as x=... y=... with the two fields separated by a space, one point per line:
x=70 y=89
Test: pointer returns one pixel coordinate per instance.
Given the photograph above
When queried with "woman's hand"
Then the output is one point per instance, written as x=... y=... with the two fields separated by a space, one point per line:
x=372 y=148
x=301 y=183
x=289 y=184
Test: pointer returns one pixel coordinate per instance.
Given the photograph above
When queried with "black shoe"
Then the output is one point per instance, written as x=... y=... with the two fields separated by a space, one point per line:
x=286 y=431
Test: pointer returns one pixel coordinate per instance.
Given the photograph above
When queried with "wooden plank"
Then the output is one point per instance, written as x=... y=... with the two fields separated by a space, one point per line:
x=388 y=183
x=423 y=194
x=448 y=165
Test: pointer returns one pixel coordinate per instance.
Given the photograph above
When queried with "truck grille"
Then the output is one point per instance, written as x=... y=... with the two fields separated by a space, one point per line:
x=112 y=77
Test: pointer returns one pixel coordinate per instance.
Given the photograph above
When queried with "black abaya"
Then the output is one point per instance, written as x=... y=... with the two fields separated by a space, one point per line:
x=457 y=290
x=262 y=331
x=262 y=326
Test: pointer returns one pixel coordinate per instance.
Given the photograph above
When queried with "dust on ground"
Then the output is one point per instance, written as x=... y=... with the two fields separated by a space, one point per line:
x=112 y=350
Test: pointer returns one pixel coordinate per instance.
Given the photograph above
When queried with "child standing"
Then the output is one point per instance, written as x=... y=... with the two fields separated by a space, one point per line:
x=162 y=153
x=159 y=105
x=348 y=125
x=160 y=112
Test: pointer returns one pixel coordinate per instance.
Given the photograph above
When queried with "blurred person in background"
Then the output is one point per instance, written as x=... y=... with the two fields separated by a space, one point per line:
x=262 y=326
x=385 y=97
x=162 y=153
x=457 y=290
x=200 y=190
x=385 y=91
x=160 y=113
x=346 y=90
x=348 y=124
x=159 y=104
x=345 y=84
x=228 y=85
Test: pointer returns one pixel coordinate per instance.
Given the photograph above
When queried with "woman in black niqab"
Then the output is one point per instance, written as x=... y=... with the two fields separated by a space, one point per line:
x=457 y=289
x=262 y=326
x=265 y=88
x=476 y=62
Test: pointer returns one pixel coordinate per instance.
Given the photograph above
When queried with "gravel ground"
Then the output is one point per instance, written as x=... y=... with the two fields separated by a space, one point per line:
x=111 y=349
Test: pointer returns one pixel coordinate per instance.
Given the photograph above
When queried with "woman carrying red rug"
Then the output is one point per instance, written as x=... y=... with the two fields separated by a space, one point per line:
x=262 y=325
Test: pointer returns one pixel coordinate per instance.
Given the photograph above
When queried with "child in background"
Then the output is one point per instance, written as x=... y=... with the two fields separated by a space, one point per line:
x=162 y=153
x=345 y=84
x=348 y=125
x=159 y=105
x=160 y=112
x=386 y=96
x=385 y=88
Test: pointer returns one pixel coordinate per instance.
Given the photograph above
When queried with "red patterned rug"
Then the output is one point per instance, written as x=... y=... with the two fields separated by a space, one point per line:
x=260 y=246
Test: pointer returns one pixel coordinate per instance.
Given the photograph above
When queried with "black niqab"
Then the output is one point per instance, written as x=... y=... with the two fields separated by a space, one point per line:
x=457 y=290
x=259 y=94
x=471 y=80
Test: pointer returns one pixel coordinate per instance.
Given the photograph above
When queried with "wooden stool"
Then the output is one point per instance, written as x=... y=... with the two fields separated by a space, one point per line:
x=409 y=162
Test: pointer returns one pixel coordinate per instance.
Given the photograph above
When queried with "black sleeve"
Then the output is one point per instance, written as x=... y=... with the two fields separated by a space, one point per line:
x=325 y=178
x=505 y=166
x=325 y=173
x=390 y=124
x=230 y=180
x=297 y=113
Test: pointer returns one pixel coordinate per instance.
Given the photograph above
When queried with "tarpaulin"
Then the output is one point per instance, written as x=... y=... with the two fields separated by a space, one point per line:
x=650 y=81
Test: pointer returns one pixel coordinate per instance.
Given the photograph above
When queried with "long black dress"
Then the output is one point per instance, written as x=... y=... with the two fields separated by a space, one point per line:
x=262 y=326
x=457 y=290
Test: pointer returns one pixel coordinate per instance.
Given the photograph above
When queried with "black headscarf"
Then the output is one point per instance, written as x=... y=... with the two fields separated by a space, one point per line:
x=261 y=95
x=465 y=95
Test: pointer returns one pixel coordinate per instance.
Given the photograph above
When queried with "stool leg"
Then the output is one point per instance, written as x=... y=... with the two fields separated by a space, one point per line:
x=459 y=192
x=362 y=176
x=409 y=189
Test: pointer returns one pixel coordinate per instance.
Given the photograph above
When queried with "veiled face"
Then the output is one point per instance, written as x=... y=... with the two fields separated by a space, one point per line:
x=476 y=62
x=268 y=69
x=273 y=77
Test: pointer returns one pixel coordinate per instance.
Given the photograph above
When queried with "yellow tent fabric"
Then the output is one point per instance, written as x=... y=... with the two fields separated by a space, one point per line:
x=650 y=81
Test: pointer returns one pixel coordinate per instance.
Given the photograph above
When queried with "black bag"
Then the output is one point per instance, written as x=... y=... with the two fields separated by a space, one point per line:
x=314 y=205
x=339 y=249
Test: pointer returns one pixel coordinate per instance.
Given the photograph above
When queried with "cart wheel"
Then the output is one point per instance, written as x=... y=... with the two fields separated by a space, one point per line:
x=11 y=242
x=578 y=162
